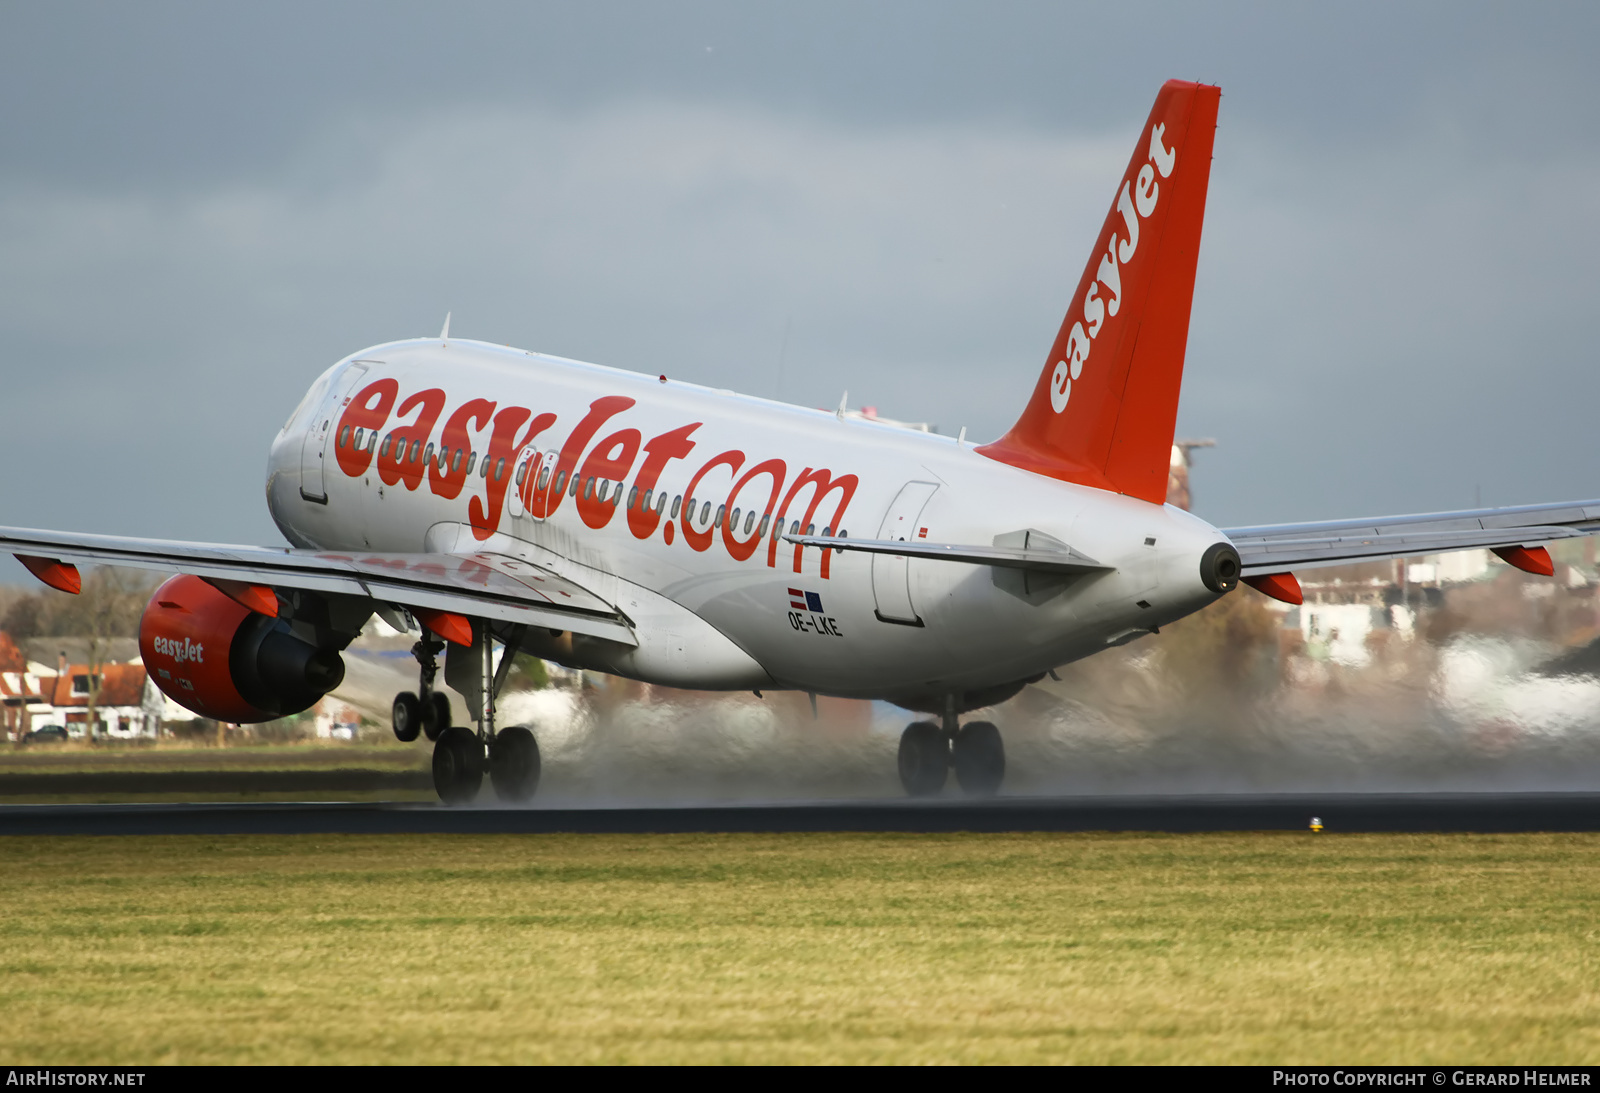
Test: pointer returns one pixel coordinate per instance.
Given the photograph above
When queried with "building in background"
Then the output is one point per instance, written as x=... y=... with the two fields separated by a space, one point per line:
x=1178 y=492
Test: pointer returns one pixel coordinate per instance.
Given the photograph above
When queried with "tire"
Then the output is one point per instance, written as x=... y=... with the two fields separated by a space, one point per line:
x=979 y=757
x=457 y=766
x=514 y=764
x=435 y=714
x=406 y=716
x=924 y=759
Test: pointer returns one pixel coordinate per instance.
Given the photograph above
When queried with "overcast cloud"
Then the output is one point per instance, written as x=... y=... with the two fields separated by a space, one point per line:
x=202 y=207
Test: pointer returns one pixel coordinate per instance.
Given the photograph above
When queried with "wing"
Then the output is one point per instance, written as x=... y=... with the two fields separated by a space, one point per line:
x=481 y=585
x=1277 y=548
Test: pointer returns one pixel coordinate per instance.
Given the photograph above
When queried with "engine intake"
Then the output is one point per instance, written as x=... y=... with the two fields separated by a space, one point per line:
x=211 y=655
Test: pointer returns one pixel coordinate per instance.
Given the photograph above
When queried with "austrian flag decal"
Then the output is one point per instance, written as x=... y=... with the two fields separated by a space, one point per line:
x=805 y=601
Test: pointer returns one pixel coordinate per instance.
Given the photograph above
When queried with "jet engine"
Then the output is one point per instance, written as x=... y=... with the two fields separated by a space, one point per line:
x=224 y=661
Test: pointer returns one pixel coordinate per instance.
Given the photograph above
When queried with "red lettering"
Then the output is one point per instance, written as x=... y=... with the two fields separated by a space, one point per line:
x=601 y=410
x=448 y=482
x=611 y=459
x=822 y=483
x=777 y=469
x=659 y=451
x=403 y=463
x=368 y=410
x=500 y=461
x=701 y=540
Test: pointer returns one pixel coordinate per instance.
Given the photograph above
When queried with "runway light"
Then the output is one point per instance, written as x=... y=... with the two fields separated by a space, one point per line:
x=1316 y=825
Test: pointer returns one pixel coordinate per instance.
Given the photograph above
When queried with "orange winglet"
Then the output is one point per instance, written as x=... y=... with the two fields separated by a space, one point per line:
x=252 y=597
x=456 y=629
x=59 y=575
x=1280 y=586
x=1534 y=560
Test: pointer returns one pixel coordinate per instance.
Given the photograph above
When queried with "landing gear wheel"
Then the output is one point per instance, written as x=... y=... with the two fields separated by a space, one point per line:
x=435 y=715
x=924 y=759
x=457 y=765
x=406 y=717
x=979 y=757
x=514 y=764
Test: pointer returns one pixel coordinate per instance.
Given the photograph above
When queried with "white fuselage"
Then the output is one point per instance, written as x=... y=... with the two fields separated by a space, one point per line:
x=711 y=608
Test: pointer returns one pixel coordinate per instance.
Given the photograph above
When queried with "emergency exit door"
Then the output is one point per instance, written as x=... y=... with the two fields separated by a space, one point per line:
x=891 y=573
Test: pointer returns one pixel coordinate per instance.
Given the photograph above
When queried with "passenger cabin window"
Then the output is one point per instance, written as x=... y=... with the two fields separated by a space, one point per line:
x=361 y=439
x=722 y=510
x=750 y=521
x=388 y=442
x=427 y=455
x=344 y=437
x=633 y=497
x=765 y=519
x=372 y=442
x=416 y=448
x=705 y=512
x=522 y=474
x=499 y=468
x=676 y=502
x=544 y=478
x=661 y=503
x=455 y=464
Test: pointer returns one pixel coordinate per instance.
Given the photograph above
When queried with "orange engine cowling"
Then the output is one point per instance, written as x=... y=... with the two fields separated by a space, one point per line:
x=226 y=662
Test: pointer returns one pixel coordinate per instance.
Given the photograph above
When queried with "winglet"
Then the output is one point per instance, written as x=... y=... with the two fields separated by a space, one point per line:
x=1103 y=409
x=444 y=335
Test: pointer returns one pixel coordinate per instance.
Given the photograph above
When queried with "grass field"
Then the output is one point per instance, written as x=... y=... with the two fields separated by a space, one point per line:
x=801 y=948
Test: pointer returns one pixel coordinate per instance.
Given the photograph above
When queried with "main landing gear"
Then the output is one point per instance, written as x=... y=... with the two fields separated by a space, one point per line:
x=428 y=711
x=975 y=751
x=461 y=755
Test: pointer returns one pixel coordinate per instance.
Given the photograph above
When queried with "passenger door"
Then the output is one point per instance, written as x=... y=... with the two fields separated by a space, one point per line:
x=314 y=449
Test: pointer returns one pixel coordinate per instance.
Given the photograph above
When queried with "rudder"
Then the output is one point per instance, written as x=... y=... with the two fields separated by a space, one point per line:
x=1105 y=406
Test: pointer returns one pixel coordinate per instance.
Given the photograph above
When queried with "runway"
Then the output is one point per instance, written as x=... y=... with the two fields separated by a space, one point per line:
x=1339 y=813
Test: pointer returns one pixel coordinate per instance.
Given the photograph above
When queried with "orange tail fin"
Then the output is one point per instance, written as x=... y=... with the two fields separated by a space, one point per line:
x=1103 y=411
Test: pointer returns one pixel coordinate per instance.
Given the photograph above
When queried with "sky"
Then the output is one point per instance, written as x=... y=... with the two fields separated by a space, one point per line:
x=203 y=206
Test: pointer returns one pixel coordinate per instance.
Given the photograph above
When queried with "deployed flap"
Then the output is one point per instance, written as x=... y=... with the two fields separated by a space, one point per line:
x=1104 y=407
x=479 y=585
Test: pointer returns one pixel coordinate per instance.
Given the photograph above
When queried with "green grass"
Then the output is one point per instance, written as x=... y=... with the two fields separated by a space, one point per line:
x=387 y=754
x=802 y=948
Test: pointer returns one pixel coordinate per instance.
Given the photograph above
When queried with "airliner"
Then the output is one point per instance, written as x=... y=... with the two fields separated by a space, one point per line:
x=494 y=501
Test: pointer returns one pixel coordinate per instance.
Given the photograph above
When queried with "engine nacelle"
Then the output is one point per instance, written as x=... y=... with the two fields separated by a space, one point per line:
x=226 y=662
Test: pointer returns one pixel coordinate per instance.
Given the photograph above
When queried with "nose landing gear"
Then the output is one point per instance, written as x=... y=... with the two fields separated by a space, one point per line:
x=928 y=752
